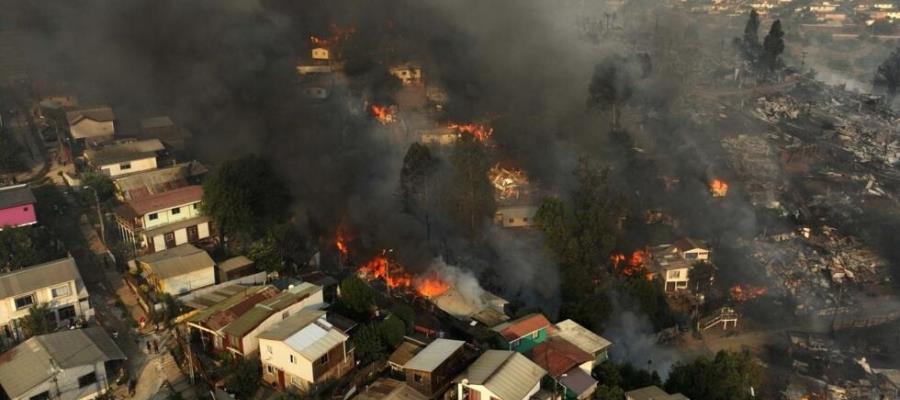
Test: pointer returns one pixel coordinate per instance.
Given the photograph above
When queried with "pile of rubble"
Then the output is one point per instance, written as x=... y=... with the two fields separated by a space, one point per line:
x=777 y=108
x=813 y=270
x=754 y=161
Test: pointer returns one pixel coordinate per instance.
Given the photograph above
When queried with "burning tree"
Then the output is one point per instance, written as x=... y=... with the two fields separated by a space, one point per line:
x=384 y=114
x=718 y=188
x=480 y=132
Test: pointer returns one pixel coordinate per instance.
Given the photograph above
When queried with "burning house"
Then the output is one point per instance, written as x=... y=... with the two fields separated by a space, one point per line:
x=671 y=263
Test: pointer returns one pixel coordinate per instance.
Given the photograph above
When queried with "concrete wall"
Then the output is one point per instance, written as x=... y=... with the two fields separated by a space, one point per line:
x=68 y=384
x=182 y=284
x=8 y=310
x=144 y=164
x=181 y=237
x=165 y=217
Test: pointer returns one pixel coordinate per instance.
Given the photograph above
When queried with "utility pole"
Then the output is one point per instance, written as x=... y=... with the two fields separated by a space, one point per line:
x=99 y=214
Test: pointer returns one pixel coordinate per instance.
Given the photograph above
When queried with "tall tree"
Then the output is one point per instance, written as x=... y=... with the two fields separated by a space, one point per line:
x=701 y=276
x=245 y=196
x=102 y=184
x=369 y=346
x=727 y=376
x=888 y=73
x=27 y=246
x=471 y=197
x=611 y=87
x=265 y=254
x=418 y=165
x=244 y=378
x=773 y=45
x=750 y=42
x=40 y=320
x=356 y=295
x=581 y=235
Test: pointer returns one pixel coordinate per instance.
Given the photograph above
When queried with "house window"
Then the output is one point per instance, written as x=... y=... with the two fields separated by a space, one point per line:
x=322 y=360
x=511 y=220
x=153 y=216
x=66 y=313
x=535 y=334
x=24 y=208
x=176 y=211
x=41 y=396
x=125 y=166
x=293 y=360
x=285 y=314
x=60 y=291
x=296 y=382
x=86 y=380
x=417 y=378
x=269 y=349
x=691 y=256
x=269 y=369
x=675 y=274
x=524 y=219
x=24 y=301
x=196 y=206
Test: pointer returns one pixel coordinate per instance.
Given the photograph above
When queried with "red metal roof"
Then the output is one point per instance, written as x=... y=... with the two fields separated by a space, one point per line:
x=558 y=356
x=524 y=326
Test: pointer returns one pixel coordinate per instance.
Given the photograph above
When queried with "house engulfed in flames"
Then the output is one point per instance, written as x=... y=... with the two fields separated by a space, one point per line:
x=515 y=197
x=718 y=188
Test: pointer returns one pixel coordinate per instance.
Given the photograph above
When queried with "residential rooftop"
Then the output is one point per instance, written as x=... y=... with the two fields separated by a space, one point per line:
x=39 y=276
x=162 y=201
x=16 y=195
x=177 y=261
x=306 y=332
x=522 y=326
x=433 y=355
x=124 y=151
x=507 y=374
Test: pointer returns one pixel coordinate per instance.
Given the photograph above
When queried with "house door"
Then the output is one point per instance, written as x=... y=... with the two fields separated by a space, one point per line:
x=192 y=234
x=281 y=379
x=170 y=240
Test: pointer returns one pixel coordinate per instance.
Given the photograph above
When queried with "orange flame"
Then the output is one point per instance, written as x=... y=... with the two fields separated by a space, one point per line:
x=384 y=114
x=395 y=276
x=718 y=188
x=633 y=264
x=340 y=241
x=431 y=286
x=742 y=293
x=480 y=132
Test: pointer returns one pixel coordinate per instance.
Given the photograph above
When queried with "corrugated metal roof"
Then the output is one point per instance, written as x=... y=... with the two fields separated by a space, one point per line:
x=177 y=261
x=308 y=333
x=39 y=276
x=251 y=319
x=162 y=201
x=653 y=393
x=517 y=328
x=124 y=151
x=100 y=114
x=507 y=374
x=580 y=336
x=16 y=195
x=433 y=355
x=28 y=364
x=389 y=389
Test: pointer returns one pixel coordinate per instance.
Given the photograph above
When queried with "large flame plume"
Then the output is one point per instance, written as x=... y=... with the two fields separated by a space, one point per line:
x=508 y=182
x=395 y=276
x=631 y=265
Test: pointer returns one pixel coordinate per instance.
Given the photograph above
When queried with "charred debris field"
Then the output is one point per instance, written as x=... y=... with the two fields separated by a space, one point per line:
x=622 y=199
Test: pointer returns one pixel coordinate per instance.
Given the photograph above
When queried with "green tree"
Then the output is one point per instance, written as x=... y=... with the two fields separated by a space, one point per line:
x=392 y=330
x=10 y=154
x=405 y=313
x=773 y=45
x=611 y=87
x=245 y=377
x=606 y=392
x=471 y=196
x=701 y=276
x=356 y=295
x=650 y=299
x=888 y=73
x=40 y=320
x=369 y=346
x=418 y=165
x=264 y=252
x=245 y=197
x=750 y=43
x=581 y=235
x=727 y=376
x=102 y=184
x=27 y=246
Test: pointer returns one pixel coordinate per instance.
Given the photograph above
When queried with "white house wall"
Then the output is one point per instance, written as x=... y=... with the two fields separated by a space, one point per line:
x=279 y=358
x=250 y=342
x=182 y=284
x=8 y=310
x=181 y=237
x=68 y=384
x=144 y=164
x=165 y=217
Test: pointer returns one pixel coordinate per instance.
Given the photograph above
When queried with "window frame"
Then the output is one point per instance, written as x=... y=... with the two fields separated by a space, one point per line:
x=125 y=166
x=29 y=305
x=66 y=287
x=175 y=211
x=87 y=379
x=153 y=216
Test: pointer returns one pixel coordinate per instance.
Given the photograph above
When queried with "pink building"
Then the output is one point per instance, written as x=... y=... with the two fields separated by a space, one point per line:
x=16 y=206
